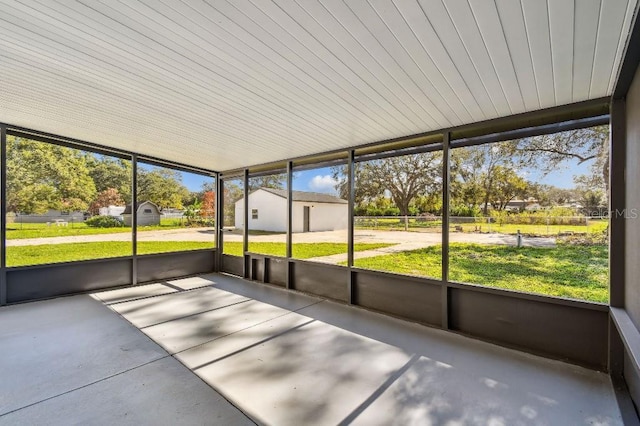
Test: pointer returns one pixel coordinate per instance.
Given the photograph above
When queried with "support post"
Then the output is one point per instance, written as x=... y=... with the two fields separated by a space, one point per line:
x=245 y=228
x=350 y=224
x=3 y=213
x=289 y=279
x=134 y=219
x=219 y=218
x=289 y=209
x=446 y=186
x=617 y=204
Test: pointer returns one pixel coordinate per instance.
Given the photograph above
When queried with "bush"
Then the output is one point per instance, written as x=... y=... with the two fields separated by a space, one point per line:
x=465 y=211
x=587 y=239
x=104 y=222
x=553 y=216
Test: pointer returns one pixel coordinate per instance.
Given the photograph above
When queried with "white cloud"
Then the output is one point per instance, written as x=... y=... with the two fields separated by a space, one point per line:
x=324 y=183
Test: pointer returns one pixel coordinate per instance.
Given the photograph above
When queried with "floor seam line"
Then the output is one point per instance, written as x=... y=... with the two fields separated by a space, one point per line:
x=87 y=385
x=219 y=392
x=192 y=315
x=135 y=299
x=137 y=329
x=246 y=328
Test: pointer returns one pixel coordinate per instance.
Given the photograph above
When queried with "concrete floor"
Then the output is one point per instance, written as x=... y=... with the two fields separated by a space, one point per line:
x=281 y=358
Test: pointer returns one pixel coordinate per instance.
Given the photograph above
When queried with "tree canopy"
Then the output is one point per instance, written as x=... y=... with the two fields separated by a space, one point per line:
x=43 y=176
x=485 y=177
x=110 y=173
x=402 y=178
x=163 y=187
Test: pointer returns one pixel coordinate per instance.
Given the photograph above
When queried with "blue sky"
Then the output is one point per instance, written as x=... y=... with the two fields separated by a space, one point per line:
x=194 y=182
x=561 y=177
x=320 y=180
x=315 y=180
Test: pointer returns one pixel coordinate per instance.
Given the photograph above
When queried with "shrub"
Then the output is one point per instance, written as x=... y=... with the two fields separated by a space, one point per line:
x=104 y=222
x=465 y=211
x=587 y=239
x=555 y=216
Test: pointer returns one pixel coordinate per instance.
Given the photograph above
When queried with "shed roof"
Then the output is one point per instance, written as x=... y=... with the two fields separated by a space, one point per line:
x=127 y=209
x=310 y=197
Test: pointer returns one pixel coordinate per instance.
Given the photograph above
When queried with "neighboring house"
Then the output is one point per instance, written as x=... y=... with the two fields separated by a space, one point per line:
x=51 y=216
x=173 y=213
x=312 y=211
x=148 y=214
x=114 y=211
x=530 y=204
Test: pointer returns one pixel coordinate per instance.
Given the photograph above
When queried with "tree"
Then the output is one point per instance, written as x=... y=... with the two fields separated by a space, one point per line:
x=232 y=193
x=209 y=204
x=42 y=176
x=109 y=172
x=163 y=187
x=106 y=198
x=467 y=178
x=481 y=176
x=504 y=186
x=404 y=178
x=277 y=181
x=193 y=211
x=429 y=203
x=560 y=196
x=548 y=152
x=589 y=193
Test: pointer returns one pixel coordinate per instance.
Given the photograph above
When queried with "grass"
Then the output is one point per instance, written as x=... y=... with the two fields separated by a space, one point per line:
x=577 y=272
x=299 y=250
x=483 y=226
x=508 y=228
x=17 y=231
x=55 y=253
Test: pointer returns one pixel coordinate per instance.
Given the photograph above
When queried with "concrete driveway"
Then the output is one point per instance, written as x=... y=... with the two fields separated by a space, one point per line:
x=401 y=240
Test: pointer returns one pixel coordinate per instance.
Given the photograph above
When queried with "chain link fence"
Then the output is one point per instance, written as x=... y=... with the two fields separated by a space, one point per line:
x=526 y=225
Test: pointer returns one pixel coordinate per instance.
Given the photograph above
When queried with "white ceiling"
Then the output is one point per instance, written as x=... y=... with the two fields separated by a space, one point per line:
x=226 y=84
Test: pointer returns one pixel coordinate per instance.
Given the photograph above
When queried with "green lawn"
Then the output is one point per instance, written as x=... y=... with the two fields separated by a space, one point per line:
x=573 y=271
x=17 y=231
x=482 y=225
x=55 y=253
x=508 y=228
x=299 y=250
x=578 y=272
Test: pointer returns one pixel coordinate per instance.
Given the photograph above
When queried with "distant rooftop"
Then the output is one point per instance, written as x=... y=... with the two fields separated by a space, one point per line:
x=310 y=197
x=127 y=209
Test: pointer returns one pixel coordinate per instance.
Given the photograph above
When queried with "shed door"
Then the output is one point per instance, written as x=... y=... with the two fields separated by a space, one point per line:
x=306 y=219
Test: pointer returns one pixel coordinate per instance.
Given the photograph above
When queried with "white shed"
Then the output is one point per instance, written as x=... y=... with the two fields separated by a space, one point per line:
x=148 y=214
x=312 y=211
